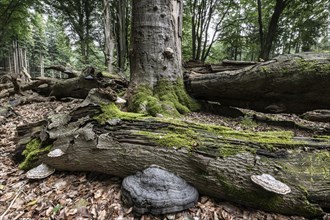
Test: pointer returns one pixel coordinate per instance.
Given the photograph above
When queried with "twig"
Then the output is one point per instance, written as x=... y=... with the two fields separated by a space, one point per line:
x=20 y=190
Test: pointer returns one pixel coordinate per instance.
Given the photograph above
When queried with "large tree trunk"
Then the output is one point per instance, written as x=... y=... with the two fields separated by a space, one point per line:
x=156 y=73
x=217 y=160
x=156 y=46
x=294 y=83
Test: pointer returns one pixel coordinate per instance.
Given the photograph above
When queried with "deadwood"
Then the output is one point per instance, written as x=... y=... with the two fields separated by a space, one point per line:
x=217 y=160
x=289 y=83
x=68 y=71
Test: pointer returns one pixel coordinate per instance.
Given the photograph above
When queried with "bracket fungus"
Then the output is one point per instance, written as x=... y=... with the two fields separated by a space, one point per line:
x=55 y=153
x=269 y=183
x=40 y=172
x=157 y=191
x=120 y=100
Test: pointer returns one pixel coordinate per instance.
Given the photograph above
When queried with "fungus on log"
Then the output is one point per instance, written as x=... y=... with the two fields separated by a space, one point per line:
x=290 y=83
x=269 y=183
x=40 y=172
x=157 y=191
x=218 y=161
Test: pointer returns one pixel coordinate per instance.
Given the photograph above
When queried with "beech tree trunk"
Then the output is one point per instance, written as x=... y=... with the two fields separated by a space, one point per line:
x=216 y=160
x=294 y=83
x=156 y=41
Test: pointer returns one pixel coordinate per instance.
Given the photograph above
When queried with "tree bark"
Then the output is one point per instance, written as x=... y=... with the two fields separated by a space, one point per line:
x=156 y=46
x=294 y=83
x=122 y=35
x=108 y=34
x=217 y=160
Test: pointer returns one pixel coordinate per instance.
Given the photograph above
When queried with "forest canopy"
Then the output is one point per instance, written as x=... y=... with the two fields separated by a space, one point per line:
x=86 y=32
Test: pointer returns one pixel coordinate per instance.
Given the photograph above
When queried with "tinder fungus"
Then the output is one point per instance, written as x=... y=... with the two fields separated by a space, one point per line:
x=157 y=191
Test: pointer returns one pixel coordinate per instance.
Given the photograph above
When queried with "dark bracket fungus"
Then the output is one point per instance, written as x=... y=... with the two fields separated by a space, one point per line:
x=269 y=183
x=157 y=191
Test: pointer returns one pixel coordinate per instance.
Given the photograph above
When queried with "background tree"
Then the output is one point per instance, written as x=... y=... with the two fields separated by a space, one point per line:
x=207 y=18
x=79 y=17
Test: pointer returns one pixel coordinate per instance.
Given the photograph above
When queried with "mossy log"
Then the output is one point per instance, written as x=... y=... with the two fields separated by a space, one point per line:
x=289 y=83
x=217 y=160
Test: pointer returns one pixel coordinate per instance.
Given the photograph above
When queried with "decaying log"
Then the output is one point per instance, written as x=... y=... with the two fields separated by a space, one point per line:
x=282 y=120
x=321 y=115
x=68 y=71
x=225 y=65
x=217 y=160
x=289 y=83
x=77 y=87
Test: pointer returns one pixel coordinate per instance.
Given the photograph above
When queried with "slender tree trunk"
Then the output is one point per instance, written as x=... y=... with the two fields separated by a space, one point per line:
x=10 y=62
x=261 y=31
x=193 y=25
x=267 y=43
x=109 y=39
x=122 y=34
x=42 y=68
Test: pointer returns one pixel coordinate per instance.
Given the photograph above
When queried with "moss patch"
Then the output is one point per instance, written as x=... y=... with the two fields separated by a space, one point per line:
x=110 y=75
x=32 y=153
x=165 y=98
x=269 y=138
x=173 y=137
x=110 y=111
x=312 y=166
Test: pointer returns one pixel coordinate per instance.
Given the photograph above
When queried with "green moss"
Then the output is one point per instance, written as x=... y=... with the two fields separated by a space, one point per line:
x=173 y=137
x=110 y=111
x=312 y=166
x=227 y=150
x=165 y=98
x=308 y=65
x=264 y=69
x=322 y=137
x=110 y=75
x=248 y=122
x=32 y=153
x=269 y=138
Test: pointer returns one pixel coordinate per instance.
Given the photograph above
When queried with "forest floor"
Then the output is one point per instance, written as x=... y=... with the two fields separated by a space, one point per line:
x=81 y=195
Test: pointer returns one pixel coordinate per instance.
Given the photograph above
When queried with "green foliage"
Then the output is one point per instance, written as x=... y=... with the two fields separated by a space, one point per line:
x=300 y=27
x=248 y=121
x=15 y=19
x=57 y=209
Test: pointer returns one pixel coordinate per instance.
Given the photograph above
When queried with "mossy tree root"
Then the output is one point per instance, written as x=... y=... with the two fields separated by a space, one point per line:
x=166 y=98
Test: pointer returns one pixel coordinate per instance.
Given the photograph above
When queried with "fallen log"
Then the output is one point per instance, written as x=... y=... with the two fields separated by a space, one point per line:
x=217 y=160
x=289 y=83
x=317 y=115
x=66 y=70
x=77 y=87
